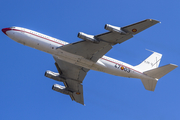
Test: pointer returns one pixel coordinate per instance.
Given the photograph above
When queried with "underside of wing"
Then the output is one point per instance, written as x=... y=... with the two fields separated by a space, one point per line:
x=72 y=77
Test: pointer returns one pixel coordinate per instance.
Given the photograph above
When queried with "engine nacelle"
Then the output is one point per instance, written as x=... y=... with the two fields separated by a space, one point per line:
x=87 y=37
x=114 y=29
x=61 y=89
x=54 y=76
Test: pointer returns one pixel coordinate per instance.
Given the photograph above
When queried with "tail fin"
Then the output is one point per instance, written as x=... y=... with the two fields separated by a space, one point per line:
x=156 y=74
x=150 y=63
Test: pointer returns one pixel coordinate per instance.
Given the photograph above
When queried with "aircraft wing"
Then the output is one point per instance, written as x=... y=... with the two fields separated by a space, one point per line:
x=94 y=51
x=130 y=30
x=74 y=76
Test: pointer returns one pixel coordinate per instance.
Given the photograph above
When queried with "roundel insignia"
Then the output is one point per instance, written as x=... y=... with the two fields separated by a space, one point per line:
x=122 y=68
x=78 y=93
x=134 y=30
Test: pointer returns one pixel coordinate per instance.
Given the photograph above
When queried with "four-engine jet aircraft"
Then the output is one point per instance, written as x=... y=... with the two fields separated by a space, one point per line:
x=74 y=60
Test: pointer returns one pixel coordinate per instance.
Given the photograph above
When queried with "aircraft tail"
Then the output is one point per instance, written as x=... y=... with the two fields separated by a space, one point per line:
x=150 y=63
x=155 y=74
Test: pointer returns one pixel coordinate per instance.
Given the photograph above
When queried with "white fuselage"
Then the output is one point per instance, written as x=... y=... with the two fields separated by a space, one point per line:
x=50 y=45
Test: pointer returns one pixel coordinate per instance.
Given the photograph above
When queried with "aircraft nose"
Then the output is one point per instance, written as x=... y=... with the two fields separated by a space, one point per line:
x=4 y=30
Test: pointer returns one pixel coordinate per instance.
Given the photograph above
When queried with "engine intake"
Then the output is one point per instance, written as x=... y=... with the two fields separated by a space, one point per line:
x=54 y=76
x=61 y=89
x=87 y=37
x=114 y=29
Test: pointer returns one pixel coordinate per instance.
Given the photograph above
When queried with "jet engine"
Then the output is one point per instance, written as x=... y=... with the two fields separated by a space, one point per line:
x=61 y=89
x=114 y=29
x=54 y=76
x=87 y=37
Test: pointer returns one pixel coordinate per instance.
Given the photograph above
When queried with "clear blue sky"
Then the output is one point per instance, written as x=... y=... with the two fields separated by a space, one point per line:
x=25 y=93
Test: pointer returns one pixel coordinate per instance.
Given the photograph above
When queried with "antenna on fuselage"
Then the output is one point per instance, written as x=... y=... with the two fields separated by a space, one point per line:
x=150 y=50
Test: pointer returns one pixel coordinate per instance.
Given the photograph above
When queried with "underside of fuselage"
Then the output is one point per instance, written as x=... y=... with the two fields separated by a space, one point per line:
x=104 y=64
x=74 y=60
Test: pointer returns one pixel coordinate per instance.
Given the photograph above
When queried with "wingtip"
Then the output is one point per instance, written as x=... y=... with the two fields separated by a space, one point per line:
x=174 y=65
x=154 y=20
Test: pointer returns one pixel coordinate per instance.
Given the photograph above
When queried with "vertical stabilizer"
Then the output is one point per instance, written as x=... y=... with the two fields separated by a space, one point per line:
x=150 y=63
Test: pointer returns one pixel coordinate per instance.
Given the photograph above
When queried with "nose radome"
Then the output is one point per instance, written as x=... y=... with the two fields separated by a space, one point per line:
x=4 y=30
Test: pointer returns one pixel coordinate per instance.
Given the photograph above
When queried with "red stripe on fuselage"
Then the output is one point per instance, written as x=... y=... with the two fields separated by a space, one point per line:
x=38 y=36
x=121 y=65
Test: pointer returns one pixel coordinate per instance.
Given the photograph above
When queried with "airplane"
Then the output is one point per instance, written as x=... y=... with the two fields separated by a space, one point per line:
x=74 y=60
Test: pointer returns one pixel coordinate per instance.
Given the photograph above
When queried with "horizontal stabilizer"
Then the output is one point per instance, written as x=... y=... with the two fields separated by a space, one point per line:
x=161 y=71
x=149 y=84
x=155 y=74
